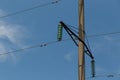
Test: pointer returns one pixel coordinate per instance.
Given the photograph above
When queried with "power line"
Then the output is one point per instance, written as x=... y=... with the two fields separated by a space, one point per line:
x=35 y=46
x=96 y=35
x=30 y=9
x=87 y=41
x=53 y=42
x=106 y=75
x=104 y=34
x=72 y=26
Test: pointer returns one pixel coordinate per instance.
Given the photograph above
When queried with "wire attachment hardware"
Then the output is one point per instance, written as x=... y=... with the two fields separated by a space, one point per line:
x=93 y=67
x=73 y=36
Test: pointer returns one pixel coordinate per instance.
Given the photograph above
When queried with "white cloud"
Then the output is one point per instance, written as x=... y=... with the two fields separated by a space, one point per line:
x=108 y=38
x=14 y=58
x=12 y=32
x=69 y=56
x=2 y=12
x=11 y=36
x=2 y=50
x=99 y=69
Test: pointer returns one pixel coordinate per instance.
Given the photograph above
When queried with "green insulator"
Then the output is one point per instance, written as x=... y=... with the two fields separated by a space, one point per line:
x=60 y=29
x=93 y=68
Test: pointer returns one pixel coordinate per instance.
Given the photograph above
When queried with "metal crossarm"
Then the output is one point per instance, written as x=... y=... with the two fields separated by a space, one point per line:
x=70 y=32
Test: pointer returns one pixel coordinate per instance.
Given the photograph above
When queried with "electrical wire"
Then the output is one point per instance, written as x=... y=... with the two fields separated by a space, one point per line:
x=107 y=76
x=35 y=46
x=86 y=37
x=68 y=30
x=53 y=42
x=30 y=9
x=96 y=35
x=73 y=28
x=105 y=34
x=87 y=42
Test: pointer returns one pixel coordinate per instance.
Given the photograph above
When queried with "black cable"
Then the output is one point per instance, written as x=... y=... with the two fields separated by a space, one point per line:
x=29 y=9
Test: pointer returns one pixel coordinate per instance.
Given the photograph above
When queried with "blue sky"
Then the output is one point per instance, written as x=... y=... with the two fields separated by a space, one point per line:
x=57 y=61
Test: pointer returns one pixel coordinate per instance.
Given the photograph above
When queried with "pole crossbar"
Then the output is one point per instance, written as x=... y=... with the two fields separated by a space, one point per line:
x=69 y=31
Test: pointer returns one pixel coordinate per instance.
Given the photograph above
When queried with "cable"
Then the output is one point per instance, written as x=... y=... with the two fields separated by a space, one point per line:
x=52 y=42
x=96 y=35
x=107 y=76
x=87 y=41
x=76 y=36
x=68 y=29
x=30 y=9
x=73 y=28
x=105 y=34
x=35 y=46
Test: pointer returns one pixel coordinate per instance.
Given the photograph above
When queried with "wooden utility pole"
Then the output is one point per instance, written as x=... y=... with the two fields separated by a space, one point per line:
x=81 y=55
